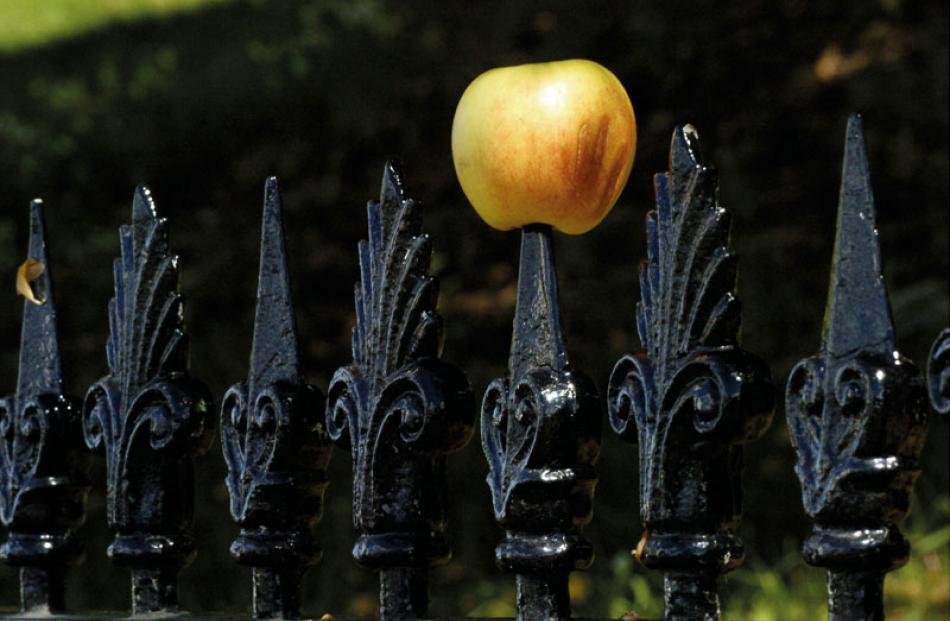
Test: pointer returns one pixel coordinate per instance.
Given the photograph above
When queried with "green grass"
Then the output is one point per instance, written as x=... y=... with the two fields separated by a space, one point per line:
x=790 y=590
x=28 y=23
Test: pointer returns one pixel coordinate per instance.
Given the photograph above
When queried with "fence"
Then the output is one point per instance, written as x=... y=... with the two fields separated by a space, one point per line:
x=857 y=415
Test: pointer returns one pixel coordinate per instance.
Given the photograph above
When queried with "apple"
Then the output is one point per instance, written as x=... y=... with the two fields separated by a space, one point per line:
x=546 y=143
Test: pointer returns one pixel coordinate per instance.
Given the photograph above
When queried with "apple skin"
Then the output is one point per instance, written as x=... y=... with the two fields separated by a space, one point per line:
x=546 y=143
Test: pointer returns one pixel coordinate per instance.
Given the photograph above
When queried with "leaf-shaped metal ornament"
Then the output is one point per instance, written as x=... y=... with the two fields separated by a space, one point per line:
x=148 y=415
x=540 y=430
x=856 y=413
x=399 y=408
x=692 y=396
x=42 y=484
x=274 y=441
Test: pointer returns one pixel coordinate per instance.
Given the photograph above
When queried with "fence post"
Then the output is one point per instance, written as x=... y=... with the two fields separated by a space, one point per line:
x=692 y=396
x=42 y=486
x=398 y=407
x=856 y=414
x=274 y=441
x=540 y=430
x=148 y=415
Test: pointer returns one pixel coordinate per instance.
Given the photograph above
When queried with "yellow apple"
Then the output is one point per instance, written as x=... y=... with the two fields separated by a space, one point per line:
x=547 y=143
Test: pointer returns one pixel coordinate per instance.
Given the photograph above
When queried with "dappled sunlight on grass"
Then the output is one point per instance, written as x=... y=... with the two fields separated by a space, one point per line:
x=28 y=23
x=790 y=590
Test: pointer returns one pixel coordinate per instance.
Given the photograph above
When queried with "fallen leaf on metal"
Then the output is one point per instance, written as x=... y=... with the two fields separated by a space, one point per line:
x=26 y=274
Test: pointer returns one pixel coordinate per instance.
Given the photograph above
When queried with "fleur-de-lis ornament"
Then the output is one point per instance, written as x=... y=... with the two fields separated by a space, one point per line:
x=541 y=436
x=274 y=440
x=148 y=415
x=398 y=407
x=42 y=486
x=856 y=414
x=938 y=373
x=692 y=396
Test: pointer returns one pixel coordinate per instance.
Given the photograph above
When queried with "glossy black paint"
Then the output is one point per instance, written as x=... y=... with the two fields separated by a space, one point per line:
x=856 y=414
x=148 y=415
x=398 y=407
x=274 y=441
x=692 y=396
x=42 y=485
x=540 y=430
x=938 y=373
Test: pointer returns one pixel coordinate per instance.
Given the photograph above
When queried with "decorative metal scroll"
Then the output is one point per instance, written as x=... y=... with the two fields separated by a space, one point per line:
x=398 y=408
x=274 y=440
x=938 y=373
x=42 y=486
x=856 y=414
x=692 y=396
x=541 y=436
x=148 y=416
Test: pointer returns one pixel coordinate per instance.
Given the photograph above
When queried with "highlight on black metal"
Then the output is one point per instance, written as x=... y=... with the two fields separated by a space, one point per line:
x=42 y=484
x=540 y=430
x=856 y=414
x=148 y=416
x=692 y=396
x=274 y=441
x=399 y=408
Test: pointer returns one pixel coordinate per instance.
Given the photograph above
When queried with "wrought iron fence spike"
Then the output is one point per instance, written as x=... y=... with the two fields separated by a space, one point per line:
x=274 y=441
x=540 y=430
x=692 y=396
x=858 y=314
x=938 y=373
x=856 y=414
x=149 y=416
x=42 y=484
x=40 y=366
x=398 y=407
x=275 y=352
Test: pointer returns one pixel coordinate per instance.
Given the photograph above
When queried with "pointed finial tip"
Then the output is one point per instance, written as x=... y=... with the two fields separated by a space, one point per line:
x=143 y=205
x=272 y=193
x=855 y=129
x=392 y=180
x=36 y=211
x=686 y=142
x=858 y=313
x=37 y=248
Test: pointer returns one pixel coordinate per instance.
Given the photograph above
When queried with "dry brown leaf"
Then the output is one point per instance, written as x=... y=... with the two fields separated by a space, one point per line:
x=27 y=273
x=641 y=544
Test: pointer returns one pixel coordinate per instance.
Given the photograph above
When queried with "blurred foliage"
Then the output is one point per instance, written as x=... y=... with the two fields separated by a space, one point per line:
x=203 y=104
x=25 y=23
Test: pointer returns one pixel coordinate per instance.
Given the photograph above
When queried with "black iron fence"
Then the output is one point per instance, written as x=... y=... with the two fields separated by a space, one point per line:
x=857 y=414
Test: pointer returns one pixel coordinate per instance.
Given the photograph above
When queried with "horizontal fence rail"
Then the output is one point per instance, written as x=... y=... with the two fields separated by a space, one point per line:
x=856 y=411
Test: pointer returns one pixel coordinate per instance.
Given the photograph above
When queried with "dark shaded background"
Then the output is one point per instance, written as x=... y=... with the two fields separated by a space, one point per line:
x=203 y=106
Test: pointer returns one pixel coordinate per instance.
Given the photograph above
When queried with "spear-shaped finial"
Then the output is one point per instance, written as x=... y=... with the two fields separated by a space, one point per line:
x=537 y=340
x=42 y=488
x=276 y=450
x=39 y=343
x=541 y=419
x=858 y=314
x=275 y=353
x=856 y=414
